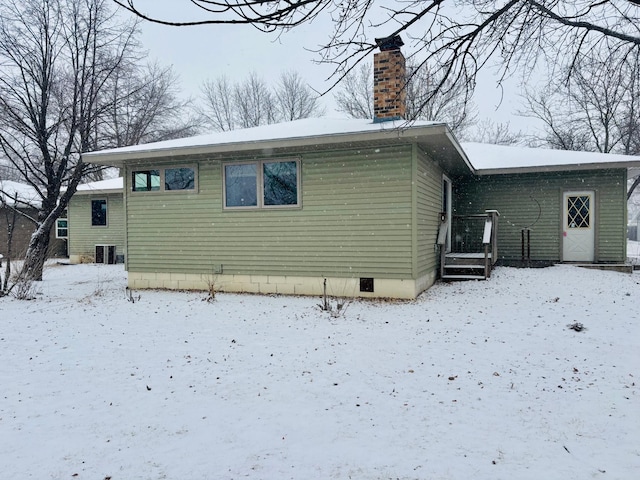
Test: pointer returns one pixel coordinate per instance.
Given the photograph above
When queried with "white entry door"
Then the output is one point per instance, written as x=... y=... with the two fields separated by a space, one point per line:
x=578 y=230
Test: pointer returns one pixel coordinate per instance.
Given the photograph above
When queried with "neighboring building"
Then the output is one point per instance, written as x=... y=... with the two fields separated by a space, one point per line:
x=368 y=206
x=633 y=228
x=97 y=222
x=19 y=204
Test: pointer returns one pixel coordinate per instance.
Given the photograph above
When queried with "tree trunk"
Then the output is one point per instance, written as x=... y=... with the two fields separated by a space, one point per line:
x=633 y=186
x=36 y=253
x=11 y=224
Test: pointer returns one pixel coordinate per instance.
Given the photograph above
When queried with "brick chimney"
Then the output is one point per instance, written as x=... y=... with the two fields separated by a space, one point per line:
x=389 y=94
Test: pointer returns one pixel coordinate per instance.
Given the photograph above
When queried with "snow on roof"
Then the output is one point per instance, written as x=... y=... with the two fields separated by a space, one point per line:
x=489 y=158
x=297 y=129
x=485 y=158
x=27 y=196
x=101 y=185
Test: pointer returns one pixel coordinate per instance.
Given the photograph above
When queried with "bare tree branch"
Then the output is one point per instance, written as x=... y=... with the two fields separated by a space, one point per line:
x=251 y=102
x=61 y=63
x=596 y=109
x=458 y=39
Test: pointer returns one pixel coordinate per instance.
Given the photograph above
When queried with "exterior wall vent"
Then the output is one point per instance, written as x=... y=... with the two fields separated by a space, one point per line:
x=366 y=285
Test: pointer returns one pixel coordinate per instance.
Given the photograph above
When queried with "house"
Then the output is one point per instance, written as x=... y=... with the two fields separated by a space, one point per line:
x=632 y=227
x=96 y=222
x=366 y=208
x=560 y=206
x=19 y=204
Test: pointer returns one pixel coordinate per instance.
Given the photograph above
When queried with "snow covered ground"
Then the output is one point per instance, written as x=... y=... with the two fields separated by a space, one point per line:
x=476 y=380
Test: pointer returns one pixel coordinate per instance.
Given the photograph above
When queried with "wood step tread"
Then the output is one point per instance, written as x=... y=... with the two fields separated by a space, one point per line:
x=467 y=255
x=465 y=266
x=463 y=277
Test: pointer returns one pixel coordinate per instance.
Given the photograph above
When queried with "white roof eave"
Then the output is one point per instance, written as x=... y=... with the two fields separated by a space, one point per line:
x=99 y=191
x=118 y=157
x=558 y=168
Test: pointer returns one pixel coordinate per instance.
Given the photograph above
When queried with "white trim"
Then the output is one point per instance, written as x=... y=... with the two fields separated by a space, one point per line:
x=66 y=228
x=579 y=237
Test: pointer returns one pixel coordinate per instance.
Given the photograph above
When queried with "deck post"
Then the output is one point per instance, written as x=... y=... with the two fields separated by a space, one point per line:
x=494 y=214
x=487 y=267
x=442 y=241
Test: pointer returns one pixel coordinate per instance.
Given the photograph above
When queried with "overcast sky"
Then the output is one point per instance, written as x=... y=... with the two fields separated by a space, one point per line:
x=206 y=52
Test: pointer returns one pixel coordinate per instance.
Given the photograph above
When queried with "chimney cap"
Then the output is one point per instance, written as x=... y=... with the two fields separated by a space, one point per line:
x=393 y=42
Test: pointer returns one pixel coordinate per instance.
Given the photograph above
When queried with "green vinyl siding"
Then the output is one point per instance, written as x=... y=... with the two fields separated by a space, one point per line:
x=354 y=220
x=428 y=207
x=535 y=201
x=83 y=237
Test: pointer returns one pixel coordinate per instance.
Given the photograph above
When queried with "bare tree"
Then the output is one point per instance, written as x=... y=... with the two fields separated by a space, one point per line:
x=8 y=171
x=488 y=131
x=142 y=105
x=294 y=98
x=8 y=208
x=428 y=98
x=252 y=102
x=595 y=109
x=354 y=96
x=559 y=130
x=458 y=40
x=217 y=109
x=61 y=64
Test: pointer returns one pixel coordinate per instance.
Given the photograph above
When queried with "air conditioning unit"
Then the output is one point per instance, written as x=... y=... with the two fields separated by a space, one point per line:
x=106 y=254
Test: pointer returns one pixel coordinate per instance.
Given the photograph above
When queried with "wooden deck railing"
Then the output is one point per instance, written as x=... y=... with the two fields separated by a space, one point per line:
x=474 y=238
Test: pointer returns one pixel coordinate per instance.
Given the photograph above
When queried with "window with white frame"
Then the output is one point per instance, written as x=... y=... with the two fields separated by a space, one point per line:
x=62 y=228
x=174 y=179
x=262 y=184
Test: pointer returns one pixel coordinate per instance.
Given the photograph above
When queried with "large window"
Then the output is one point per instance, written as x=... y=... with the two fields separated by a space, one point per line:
x=99 y=213
x=262 y=184
x=175 y=179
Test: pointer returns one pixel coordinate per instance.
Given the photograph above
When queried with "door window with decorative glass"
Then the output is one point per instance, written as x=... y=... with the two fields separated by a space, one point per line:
x=578 y=211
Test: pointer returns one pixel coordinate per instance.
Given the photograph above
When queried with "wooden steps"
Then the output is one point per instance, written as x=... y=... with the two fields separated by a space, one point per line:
x=469 y=265
x=464 y=266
